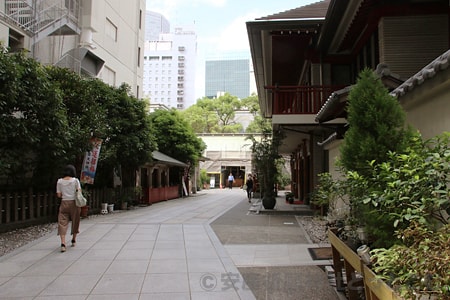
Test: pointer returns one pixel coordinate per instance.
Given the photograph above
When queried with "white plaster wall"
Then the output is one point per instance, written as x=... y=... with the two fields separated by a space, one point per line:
x=428 y=106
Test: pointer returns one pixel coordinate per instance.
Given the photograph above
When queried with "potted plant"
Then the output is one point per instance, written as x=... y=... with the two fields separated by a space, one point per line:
x=85 y=209
x=265 y=158
x=290 y=197
x=122 y=201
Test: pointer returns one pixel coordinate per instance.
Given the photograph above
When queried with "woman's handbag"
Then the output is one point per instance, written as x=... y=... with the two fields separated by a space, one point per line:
x=80 y=201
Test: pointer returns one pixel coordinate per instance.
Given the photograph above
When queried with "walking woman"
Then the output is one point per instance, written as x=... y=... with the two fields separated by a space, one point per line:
x=68 y=211
x=249 y=184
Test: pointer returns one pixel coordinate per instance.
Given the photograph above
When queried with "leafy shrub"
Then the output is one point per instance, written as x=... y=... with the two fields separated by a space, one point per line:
x=412 y=186
x=420 y=265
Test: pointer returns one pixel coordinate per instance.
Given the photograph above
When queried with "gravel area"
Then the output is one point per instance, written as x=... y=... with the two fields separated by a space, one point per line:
x=316 y=228
x=9 y=241
x=12 y=240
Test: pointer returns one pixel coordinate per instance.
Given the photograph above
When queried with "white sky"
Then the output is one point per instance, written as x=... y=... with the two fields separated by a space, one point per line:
x=219 y=24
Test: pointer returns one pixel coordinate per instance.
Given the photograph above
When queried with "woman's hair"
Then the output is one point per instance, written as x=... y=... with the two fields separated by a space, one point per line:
x=69 y=170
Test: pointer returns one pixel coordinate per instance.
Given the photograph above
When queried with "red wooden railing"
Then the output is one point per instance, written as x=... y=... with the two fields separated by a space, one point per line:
x=153 y=195
x=300 y=99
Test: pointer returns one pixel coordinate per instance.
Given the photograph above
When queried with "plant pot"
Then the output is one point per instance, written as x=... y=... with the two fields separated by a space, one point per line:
x=84 y=211
x=362 y=234
x=269 y=202
x=124 y=206
x=104 y=210
x=110 y=208
x=364 y=252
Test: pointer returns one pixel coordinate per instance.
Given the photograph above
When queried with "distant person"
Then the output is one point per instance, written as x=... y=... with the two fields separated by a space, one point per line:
x=230 y=180
x=249 y=184
x=65 y=189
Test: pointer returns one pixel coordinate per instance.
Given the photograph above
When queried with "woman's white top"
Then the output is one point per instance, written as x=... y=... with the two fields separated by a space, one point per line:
x=67 y=187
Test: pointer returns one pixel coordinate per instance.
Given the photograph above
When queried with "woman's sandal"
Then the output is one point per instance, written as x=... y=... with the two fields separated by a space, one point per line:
x=73 y=243
x=63 y=248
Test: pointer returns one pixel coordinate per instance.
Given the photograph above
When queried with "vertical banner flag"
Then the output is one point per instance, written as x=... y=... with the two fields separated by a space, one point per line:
x=90 y=162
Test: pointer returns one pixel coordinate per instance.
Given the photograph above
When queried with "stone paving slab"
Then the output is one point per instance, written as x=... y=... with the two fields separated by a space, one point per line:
x=271 y=253
x=288 y=283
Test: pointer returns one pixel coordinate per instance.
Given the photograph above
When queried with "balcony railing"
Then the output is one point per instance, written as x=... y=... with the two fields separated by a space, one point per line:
x=299 y=99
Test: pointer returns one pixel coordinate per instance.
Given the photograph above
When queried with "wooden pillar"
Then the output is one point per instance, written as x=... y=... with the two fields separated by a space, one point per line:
x=150 y=178
x=158 y=178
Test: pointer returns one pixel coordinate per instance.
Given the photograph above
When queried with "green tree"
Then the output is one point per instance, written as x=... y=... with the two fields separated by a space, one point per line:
x=252 y=104
x=202 y=116
x=33 y=123
x=259 y=123
x=225 y=107
x=129 y=138
x=376 y=125
x=175 y=137
x=214 y=115
x=85 y=113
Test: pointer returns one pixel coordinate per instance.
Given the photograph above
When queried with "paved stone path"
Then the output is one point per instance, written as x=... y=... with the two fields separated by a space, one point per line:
x=164 y=251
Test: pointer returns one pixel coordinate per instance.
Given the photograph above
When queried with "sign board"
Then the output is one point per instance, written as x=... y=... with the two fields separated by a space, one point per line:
x=90 y=162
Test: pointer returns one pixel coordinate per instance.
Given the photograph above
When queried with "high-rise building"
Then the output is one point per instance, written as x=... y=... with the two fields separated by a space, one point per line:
x=155 y=24
x=101 y=38
x=169 y=69
x=227 y=75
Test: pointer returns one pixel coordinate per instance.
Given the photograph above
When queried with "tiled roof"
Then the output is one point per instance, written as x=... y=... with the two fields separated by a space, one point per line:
x=331 y=103
x=167 y=159
x=389 y=79
x=314 y=10
x=439 y=64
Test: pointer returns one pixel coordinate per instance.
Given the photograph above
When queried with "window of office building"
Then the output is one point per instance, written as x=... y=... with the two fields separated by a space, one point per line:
x=139 y=57
x=108 y=76
x=111 y=30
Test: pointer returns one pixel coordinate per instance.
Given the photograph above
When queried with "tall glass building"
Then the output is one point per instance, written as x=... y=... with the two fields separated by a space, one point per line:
x=227 y=76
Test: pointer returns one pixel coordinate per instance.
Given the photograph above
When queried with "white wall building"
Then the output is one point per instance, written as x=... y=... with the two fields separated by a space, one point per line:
x=225 y=153
x=169 y=69
x=96 y=38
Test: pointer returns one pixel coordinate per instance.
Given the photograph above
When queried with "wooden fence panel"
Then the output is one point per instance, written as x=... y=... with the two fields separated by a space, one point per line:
x=24 y=208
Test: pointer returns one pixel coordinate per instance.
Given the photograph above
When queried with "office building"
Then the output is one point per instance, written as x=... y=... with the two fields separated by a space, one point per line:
x=101 y=38
x=169 y=69
x=230 y=75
